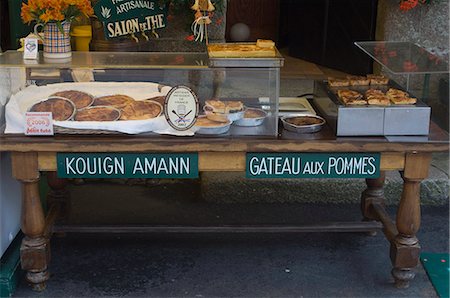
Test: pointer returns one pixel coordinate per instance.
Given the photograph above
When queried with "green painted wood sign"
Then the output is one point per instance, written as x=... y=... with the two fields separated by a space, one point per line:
x=127 y=165
x=124 y=17
x=313 y=165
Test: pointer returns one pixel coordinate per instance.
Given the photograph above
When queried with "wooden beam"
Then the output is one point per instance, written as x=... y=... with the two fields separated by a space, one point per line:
x=230 y=161
x=391 y=161
x=221 y=161
x=47 y=161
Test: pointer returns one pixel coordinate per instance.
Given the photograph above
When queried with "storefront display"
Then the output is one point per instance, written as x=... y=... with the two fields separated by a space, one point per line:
x=174 y=115
x=135 y=107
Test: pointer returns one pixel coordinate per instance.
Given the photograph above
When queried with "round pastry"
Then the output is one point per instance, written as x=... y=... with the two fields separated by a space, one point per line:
x=118 y=101
x=159 y=99
x=141 y=110
x=62 y=109
x=205 y=122
x=217 y=117
x=80 y=99
x=98 y=113
x=209 y=127
x=254 y=113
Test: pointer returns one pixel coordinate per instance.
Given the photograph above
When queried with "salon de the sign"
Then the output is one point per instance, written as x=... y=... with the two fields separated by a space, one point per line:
x=124 y=17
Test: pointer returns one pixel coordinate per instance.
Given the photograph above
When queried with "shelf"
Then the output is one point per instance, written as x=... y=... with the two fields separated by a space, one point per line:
x=403 y=57
x=109 y=60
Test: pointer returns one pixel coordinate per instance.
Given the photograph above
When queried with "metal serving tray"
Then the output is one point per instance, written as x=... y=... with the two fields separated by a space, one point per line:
x=367 y=120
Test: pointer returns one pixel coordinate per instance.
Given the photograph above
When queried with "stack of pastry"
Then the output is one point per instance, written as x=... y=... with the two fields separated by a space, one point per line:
x=262 y=48
x=223 y=110
x=370 y=79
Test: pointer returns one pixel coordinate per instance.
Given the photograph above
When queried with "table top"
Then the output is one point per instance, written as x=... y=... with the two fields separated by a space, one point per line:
x=323 y=141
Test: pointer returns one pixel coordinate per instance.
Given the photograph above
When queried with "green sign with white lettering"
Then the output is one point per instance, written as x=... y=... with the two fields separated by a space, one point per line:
x=127 y=165
x=313 y=165
x=124 y=17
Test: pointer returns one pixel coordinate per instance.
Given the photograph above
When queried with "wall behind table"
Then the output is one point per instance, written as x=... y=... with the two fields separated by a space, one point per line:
x=428 y=26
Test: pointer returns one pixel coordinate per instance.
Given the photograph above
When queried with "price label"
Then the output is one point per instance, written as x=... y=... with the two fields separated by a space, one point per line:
x=38 y=124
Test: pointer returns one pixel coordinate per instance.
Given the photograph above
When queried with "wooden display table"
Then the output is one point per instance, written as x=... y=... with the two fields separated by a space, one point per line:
x=410 y=155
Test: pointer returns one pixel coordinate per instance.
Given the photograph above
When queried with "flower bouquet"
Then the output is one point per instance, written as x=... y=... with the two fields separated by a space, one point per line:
x=55 y=16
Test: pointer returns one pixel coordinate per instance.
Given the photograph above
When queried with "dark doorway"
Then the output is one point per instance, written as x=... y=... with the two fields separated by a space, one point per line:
x=324 y=32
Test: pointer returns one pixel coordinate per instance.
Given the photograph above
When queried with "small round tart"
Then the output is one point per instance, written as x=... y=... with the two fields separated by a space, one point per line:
x=141 y=110
x=80 y=99
x=252 y=117
x=118 y=101
x=62 y=109
x=209 y=127
x=98 y=113
x=205 y=122
x=159 y=99
x=306 y=123
x=304 y=120
x=254 y=113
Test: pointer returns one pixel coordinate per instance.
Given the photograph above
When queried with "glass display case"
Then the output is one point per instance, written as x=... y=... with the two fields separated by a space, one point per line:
x=122 y=79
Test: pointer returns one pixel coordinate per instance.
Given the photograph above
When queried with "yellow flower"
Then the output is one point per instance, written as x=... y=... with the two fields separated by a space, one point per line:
x=26 y=14
x=45 y=11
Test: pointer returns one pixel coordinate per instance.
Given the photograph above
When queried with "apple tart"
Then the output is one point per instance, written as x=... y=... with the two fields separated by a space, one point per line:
x=141 y=110
x=118 y=101
x=80 y=99
x=62 y=109
x=98 y=113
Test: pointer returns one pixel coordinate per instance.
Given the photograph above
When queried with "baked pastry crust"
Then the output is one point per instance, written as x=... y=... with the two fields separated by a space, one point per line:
x=378 y=79
x=118 y=101
x=62 y=109
x=376 y=97
x=141 y=110
x=400 y=97
x=217 y=117
x=159 y=99
x=79 y=98
x=205 y=122
x=358 y=80
x=336 y=82
x=254 y=113
x=98 y=113
x=224 y=107
x=265 y=43
x=351 y=97
x=237 y=50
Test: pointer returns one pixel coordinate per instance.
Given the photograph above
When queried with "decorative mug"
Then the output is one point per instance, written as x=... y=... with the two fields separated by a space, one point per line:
x=56 y=44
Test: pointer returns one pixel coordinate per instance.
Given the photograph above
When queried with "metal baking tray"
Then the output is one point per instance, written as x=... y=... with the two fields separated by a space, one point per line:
x=371 y=120
x=276 y=61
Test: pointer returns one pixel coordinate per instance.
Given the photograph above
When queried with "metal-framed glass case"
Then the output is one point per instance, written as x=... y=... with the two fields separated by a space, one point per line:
x=254 y=82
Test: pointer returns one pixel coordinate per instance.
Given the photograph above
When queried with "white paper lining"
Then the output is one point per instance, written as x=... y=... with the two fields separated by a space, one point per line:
x=24 y=99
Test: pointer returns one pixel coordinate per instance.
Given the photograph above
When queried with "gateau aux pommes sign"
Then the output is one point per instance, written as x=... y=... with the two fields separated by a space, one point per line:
x=126 y=17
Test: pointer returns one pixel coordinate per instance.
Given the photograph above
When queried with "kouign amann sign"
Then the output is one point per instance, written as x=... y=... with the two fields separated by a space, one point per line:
x=124 y=17
x=127 y=165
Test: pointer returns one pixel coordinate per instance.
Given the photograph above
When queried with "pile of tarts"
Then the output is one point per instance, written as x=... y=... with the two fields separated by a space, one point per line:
x=80 y=106
x=350 y=92
x=220 y=114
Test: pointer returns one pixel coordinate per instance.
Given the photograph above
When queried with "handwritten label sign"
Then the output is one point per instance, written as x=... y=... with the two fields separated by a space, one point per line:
x=181 y=108
x=38 y=124
x=313 y=165
x=124 y=17
x=30 y=48
x=127 y=165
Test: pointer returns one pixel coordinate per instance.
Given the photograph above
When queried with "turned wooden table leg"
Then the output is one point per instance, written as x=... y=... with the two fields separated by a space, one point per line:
x=405 y=246
x=374 y=193
x=35 y=248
